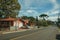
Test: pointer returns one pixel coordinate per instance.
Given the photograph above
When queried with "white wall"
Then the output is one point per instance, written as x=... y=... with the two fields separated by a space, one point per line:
x=18 y=24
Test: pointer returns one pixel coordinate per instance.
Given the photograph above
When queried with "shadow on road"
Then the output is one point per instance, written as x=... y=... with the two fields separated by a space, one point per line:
x=58 y=36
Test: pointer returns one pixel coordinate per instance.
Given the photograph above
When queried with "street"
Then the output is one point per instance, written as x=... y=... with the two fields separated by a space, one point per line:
x=46 y=34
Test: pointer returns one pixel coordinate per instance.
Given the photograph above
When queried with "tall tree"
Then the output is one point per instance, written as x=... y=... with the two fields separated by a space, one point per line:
x=43 y=16
x=9 y=8
x=44 y=22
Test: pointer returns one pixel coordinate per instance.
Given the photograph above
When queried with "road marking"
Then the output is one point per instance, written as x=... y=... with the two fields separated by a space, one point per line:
x=24 y=36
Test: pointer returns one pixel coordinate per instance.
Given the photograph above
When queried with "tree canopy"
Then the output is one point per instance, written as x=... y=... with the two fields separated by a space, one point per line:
x=31 y=19
x=24 y=17
x=43 y=16
x=9 y=8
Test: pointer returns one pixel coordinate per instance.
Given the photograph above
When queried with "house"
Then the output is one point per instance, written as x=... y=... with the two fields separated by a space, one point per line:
x=10 y=24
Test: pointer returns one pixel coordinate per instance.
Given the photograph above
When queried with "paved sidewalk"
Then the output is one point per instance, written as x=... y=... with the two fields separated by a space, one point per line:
x=20 y=30
x=6 y=32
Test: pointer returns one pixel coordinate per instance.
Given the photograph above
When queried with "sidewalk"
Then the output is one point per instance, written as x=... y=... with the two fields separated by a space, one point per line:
x=21 y=30
x=12 y=34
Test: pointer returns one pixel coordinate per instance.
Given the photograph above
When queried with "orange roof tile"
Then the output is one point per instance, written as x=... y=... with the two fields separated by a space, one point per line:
x=8 y=19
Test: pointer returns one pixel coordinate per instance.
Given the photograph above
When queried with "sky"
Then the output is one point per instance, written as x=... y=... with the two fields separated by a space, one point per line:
x=37 y=7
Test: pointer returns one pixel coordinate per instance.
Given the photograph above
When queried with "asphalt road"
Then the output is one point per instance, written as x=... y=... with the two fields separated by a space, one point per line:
x=17 y=34
x=45 y=34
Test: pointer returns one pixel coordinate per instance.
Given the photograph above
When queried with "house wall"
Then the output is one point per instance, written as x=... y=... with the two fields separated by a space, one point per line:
x=18 y=24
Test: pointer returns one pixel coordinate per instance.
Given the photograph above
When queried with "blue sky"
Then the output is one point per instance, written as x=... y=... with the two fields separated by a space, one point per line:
x=36 y=7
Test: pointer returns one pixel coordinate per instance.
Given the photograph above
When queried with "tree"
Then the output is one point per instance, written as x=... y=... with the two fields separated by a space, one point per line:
x=32 y=20
x=44 y=22
x=43 y=16
x=9 y=8
x=24 y=17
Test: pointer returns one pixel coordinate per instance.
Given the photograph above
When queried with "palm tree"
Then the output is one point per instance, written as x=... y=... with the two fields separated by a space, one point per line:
x=43 y=16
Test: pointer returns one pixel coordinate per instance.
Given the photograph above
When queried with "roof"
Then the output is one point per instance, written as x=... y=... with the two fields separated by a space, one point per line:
x=13 y=19
x=8 y=19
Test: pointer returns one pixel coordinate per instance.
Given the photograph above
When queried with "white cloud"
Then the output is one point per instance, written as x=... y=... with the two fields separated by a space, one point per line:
x=53 y=12
x=33 y=13
x=27 y=3
x=30 y=11
x=53 y=18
